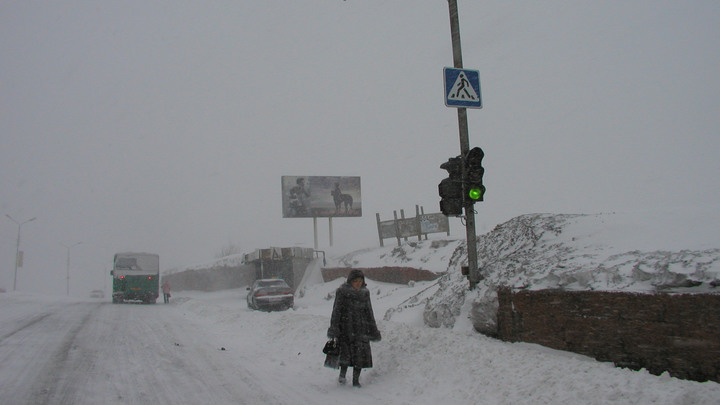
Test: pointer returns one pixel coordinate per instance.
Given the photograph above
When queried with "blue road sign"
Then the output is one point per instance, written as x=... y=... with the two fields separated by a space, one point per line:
x=462 y=88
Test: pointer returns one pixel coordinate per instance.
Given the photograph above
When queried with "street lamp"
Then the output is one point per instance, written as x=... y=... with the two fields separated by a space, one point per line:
x=17 y=246
x=68 y=264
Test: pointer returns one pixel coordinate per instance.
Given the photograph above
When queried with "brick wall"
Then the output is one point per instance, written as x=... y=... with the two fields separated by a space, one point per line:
x=678 y=333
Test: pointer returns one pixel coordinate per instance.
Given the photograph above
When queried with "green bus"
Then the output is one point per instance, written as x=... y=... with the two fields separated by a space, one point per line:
x=136 y=277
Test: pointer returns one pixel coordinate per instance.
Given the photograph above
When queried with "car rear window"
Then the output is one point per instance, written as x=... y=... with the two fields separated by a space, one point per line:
x=273 y=283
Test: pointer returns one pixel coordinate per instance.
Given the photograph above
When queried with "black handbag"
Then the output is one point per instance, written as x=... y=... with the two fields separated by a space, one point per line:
x=331 y=347
x=332 y=354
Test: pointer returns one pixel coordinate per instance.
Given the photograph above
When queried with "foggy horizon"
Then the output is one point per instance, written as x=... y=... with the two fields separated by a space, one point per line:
x=166 y=128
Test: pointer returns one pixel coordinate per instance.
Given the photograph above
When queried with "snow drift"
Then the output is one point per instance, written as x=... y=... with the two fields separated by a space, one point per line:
x=602 y=252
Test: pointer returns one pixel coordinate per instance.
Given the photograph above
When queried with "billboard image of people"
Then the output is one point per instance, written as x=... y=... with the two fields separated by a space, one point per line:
x=321 y=196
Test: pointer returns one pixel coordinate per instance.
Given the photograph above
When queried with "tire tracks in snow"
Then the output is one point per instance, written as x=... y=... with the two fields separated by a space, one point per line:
x=51 y=382
x=35 y=319
x=35 y=350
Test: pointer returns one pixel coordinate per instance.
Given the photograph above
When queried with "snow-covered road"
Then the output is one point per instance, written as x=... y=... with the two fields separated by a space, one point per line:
x=95 y=353
x=209 y=348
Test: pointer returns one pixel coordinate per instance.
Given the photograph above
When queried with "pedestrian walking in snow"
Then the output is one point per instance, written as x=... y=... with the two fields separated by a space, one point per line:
x=353 y=325
x=166 y=291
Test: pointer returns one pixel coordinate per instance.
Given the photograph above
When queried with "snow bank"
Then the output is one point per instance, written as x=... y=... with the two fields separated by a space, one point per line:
x=640 y=252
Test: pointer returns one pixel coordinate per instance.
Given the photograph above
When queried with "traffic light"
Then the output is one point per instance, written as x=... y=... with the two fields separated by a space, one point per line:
x=474 y=171
x=451 y=188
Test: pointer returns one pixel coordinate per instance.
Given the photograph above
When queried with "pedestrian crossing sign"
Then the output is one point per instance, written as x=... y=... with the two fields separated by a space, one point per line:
x=462 y=88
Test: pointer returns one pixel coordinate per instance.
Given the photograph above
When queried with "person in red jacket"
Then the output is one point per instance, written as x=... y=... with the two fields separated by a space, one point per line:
x=353 y=326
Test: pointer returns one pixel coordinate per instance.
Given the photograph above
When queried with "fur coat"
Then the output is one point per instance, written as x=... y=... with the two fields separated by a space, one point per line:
x=353 y=323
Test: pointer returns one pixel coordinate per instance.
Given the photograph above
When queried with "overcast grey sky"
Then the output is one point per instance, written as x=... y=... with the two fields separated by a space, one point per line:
x=166 y=127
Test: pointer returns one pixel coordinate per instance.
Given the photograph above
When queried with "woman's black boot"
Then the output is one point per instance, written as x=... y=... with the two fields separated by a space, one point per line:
x=341 y=378
x=356 y=377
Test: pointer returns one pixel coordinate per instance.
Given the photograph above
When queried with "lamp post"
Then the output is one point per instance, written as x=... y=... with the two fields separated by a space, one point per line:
x=17 y=246
x=68 y=264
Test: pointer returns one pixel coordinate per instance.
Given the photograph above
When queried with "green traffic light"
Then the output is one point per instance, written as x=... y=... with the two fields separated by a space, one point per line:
x=476 y=193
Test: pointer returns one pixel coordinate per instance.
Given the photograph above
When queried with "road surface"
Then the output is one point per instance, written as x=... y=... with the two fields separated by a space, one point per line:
x=103 y=353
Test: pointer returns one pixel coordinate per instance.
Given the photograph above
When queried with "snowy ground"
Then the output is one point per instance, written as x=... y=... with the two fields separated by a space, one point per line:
x=209 y=348
x=245 y=356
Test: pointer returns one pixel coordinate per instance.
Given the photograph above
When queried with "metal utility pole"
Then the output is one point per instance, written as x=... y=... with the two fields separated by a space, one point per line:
x=17 y=246
x=474 y=275
x=67 y=265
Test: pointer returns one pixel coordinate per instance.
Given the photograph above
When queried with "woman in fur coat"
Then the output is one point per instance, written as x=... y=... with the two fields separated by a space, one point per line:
x=353 y=325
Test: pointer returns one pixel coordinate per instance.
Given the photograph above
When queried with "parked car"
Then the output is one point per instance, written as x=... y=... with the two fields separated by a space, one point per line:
x=270 y=294
x=97 y=294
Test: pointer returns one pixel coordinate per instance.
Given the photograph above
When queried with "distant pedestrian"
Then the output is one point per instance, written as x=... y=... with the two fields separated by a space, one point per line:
x=166 y=291
x=353 y=325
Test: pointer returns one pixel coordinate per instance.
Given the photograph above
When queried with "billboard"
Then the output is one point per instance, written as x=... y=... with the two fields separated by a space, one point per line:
x=420 y=225
x=321 y=196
